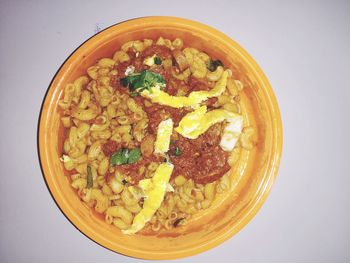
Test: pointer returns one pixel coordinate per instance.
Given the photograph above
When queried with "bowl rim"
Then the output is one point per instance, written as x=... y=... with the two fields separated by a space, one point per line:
x=259 y=200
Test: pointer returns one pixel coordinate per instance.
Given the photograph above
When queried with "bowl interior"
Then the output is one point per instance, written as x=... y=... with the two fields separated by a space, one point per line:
x=252 y=177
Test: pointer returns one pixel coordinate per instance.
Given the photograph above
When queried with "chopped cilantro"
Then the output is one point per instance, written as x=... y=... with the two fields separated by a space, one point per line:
x=125 y=156
x=144 y=80
x=177 y=151
x=134 y=155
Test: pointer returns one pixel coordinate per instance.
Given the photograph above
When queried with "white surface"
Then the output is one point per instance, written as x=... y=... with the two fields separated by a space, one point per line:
x=302 y=46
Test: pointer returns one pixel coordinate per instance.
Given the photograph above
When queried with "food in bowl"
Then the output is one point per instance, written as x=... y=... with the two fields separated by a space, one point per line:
x=152 y=133
x=252 y=175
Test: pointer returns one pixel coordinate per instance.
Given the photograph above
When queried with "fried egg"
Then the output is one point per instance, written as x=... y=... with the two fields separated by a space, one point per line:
x=156 y=95
x=154 y=190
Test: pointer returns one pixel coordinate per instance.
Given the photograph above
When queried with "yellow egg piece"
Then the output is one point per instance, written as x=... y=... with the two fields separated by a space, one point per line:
x=156 y=95
x=164 y=131
x=155 y=189
x=191 y=121
x=203 y=121
x=145 y=184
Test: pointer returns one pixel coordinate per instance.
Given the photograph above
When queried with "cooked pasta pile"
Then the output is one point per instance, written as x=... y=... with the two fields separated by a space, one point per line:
x=152 y=133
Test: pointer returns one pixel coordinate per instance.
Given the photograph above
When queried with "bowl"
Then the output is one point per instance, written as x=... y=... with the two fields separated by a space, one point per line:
x=253 y=176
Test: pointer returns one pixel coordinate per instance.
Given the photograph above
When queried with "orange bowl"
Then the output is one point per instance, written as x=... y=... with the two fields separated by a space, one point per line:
x=252 y=177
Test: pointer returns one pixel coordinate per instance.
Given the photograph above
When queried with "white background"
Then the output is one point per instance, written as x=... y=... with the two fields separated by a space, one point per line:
x=302 y=46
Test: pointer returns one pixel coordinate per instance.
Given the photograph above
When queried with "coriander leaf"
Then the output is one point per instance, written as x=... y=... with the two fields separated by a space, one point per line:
x=119 y=157
x=125 y=153
x=177 y=151
x=124 y=81
x=125 y=156
x=157 y=61
x=143 y=80
x=89 y=179
x=130 y=80
x=134 y=155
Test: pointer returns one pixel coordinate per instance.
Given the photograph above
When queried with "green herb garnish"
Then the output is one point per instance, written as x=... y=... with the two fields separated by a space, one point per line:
x=144 y=80
x=177 y=151
x=157 y=61
x=120 y=157
x=125 y=156
x=134 y=155
x=89 y=179
x=213 y=64
x=130 y=80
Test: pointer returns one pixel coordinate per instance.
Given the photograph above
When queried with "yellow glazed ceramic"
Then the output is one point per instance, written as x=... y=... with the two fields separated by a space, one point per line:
x=254 y=175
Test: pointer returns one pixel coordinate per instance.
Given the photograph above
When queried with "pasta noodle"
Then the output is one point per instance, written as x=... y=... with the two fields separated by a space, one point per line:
x=94 y=150
x=66 y=121
x=103 y=166
x=117 y=187
x=177 y=43
x=209 y=191
x=121 y=56
x=128 y=198
x=120 y=212
x=120 y=224
x=106 y=62
x=92 y=72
